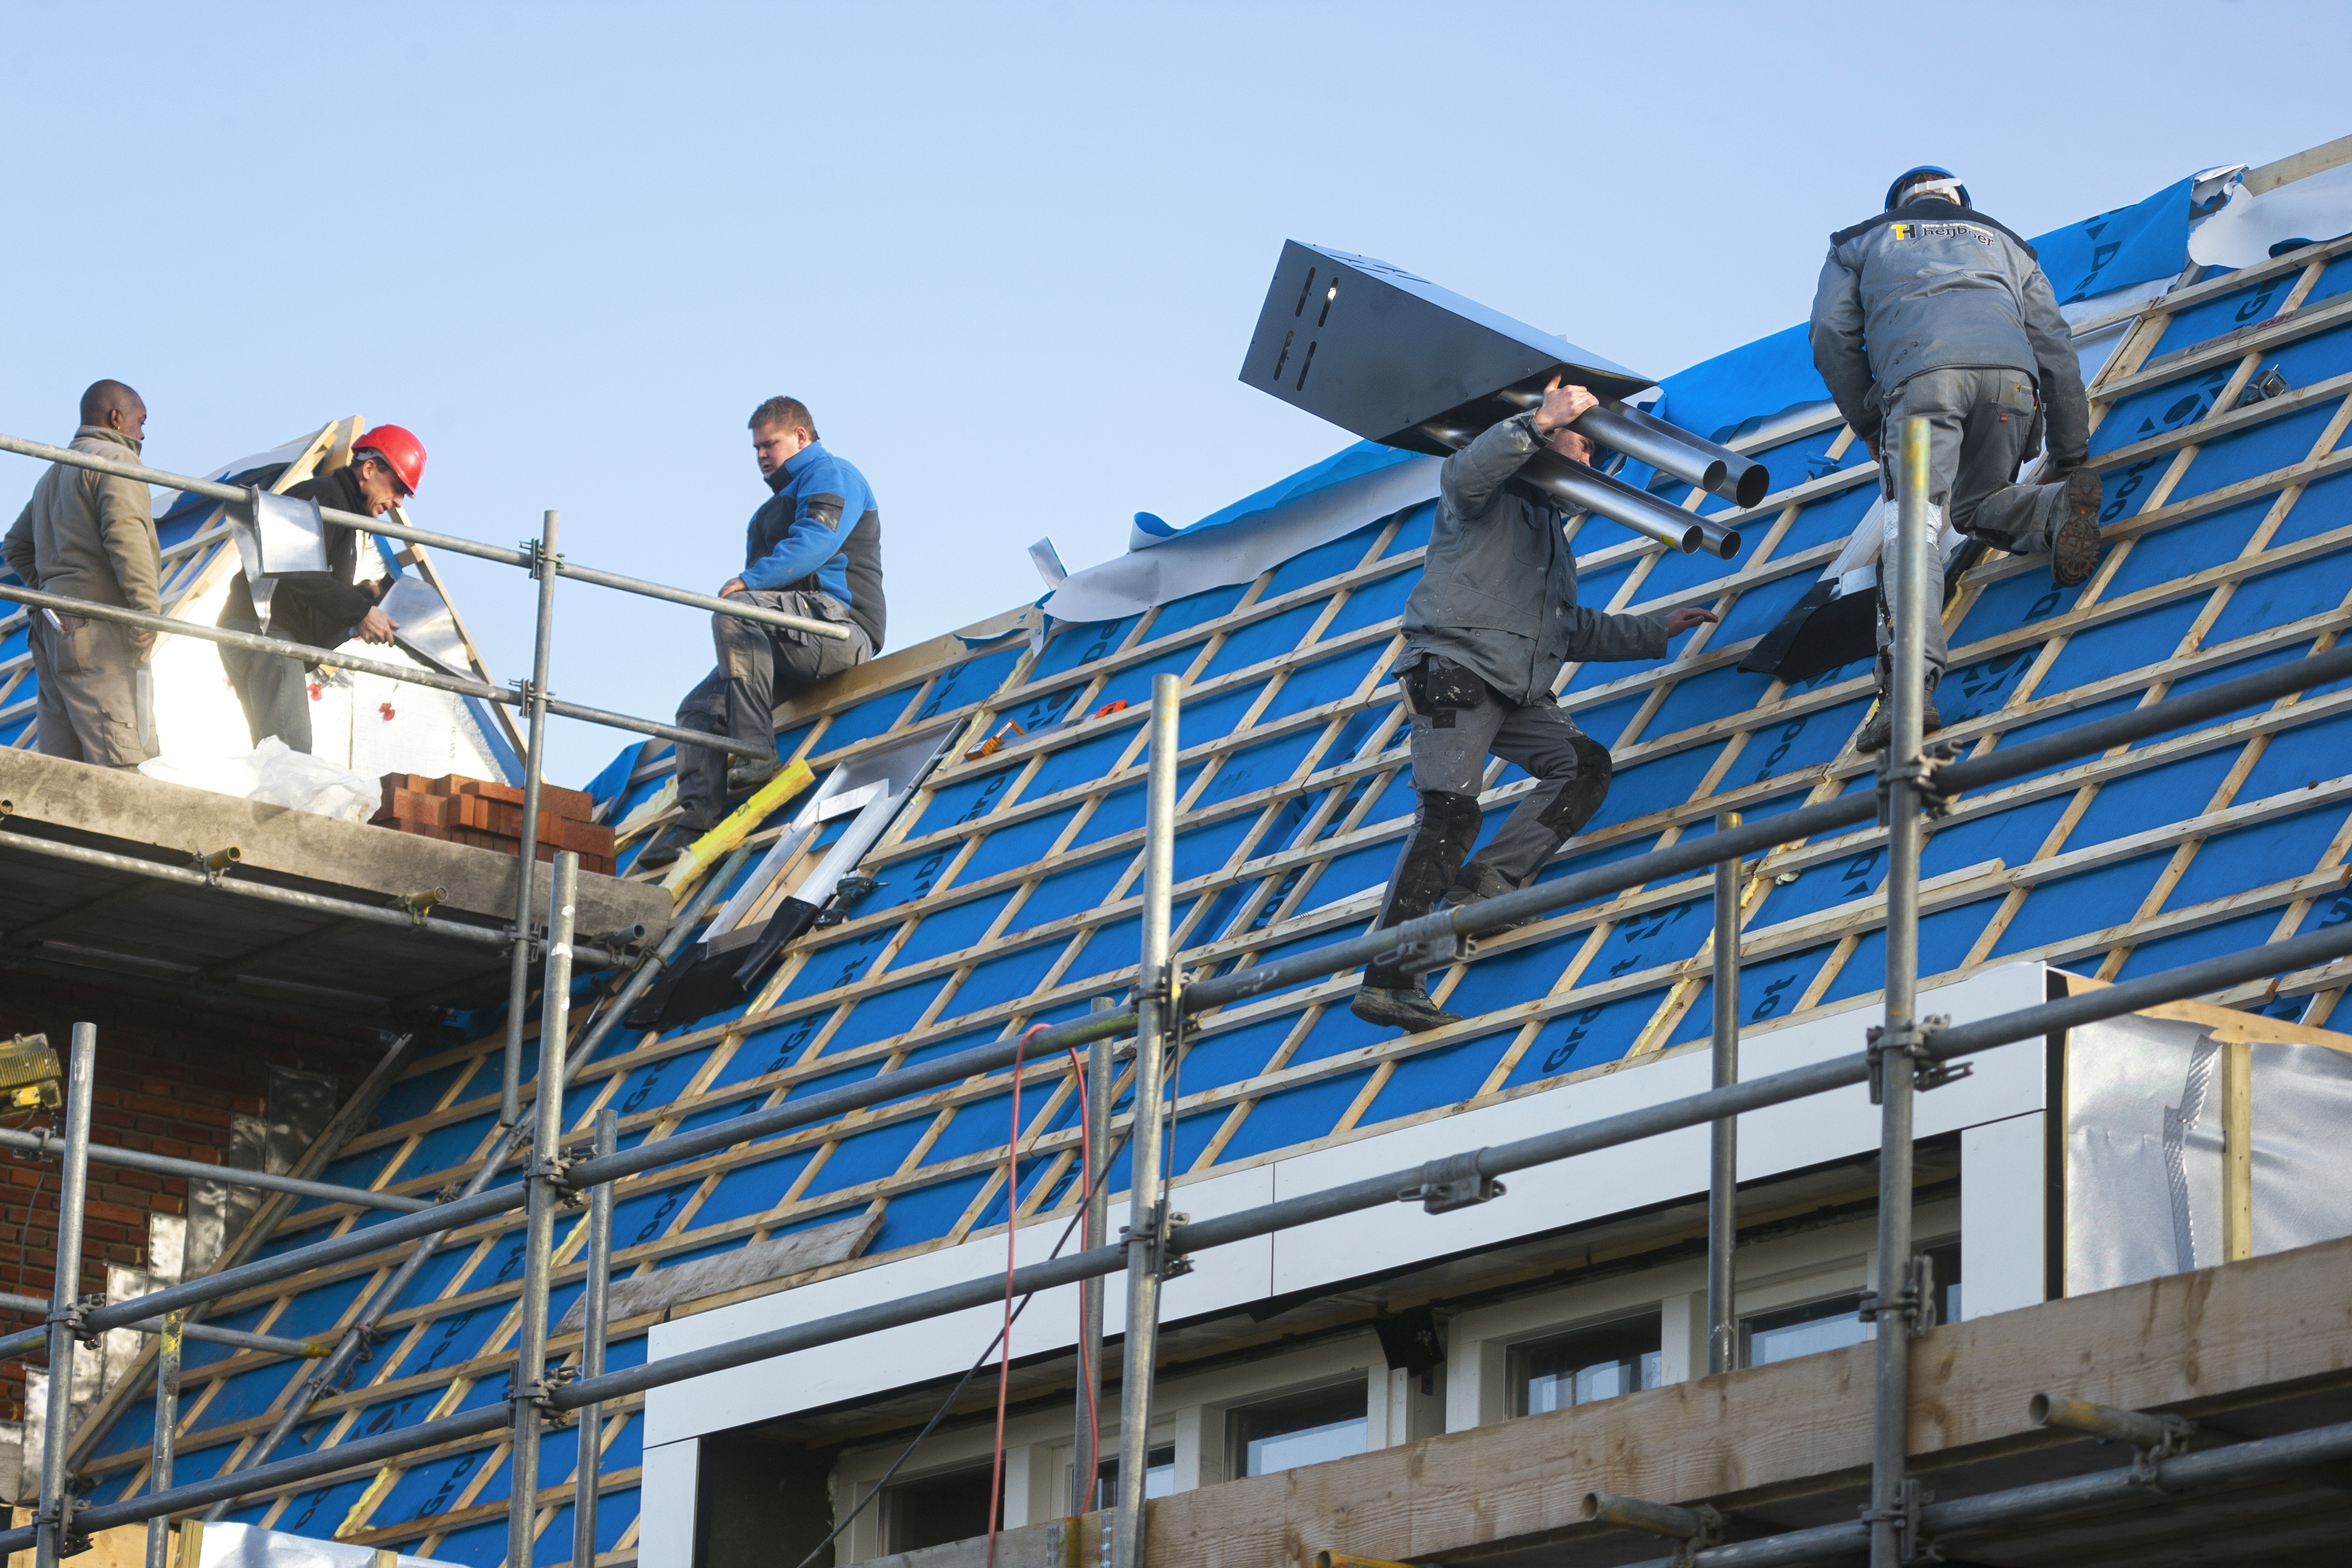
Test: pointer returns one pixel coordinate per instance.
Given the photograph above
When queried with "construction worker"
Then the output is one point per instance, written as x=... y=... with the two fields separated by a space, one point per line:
x=1488 y=630
x=1933 y=308
x=320 y=609
x=813 y=549
x=92 y=536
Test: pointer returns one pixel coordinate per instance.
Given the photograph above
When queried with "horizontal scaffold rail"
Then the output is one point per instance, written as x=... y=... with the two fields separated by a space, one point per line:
x=415 y=675
x=237 y=495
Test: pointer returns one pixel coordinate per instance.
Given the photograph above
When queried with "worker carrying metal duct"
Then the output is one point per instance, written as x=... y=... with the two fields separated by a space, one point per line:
x=813 y=549
x=1489 y=628
x=92 y=536
x=1931 y=309
x=300 y=582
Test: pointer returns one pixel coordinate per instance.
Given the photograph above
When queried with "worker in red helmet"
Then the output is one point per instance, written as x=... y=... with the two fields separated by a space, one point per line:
x=319 y=610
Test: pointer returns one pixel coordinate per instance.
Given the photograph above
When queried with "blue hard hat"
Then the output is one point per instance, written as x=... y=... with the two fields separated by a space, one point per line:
x=1931 y=172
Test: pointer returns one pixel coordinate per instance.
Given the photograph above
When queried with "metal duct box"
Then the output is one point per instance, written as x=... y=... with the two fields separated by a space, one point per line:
x=1377 y=351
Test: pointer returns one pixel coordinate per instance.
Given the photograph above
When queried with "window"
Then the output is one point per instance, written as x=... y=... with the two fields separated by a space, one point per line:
x=1297 y=1429
x=1598 y=1362
x=1159 y=1476
x=932 y=1510
x=1802 y=1330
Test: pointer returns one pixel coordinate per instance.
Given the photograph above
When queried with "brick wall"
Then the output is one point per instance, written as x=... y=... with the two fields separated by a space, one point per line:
x=171 y=1079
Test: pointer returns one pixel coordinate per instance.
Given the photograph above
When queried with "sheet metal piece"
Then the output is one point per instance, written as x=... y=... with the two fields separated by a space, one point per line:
x=2143 y=1173
x=290 y=533
x=427 y=626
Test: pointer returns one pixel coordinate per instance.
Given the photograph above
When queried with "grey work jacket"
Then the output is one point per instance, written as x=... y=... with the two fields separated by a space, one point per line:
x=1937 y=286
x=89 y=535
x=1497 y=591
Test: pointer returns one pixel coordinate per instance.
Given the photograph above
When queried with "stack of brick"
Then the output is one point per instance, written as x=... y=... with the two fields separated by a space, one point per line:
x=489 y=817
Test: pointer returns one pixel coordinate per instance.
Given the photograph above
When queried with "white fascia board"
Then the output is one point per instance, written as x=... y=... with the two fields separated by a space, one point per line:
x=2006 y=1082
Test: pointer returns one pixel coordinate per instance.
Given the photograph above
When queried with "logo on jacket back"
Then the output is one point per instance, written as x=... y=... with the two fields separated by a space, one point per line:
x=1909 y=231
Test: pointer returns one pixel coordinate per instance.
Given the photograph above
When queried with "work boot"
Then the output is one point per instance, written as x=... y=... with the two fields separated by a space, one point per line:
x=2074 y=545
x=1406 y=1007
x=673 y=839
x=1881 y=728
x=747 y=774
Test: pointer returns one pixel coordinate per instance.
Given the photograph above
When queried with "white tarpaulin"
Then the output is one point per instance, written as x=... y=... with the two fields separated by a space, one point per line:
x=2316 y=207
x=226 y=1545
x=2143 y=1149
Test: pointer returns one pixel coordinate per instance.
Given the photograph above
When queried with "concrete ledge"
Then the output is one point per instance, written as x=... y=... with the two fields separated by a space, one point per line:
x=141 y=814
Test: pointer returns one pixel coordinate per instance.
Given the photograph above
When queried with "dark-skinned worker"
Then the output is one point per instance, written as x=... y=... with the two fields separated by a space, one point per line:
x=1932 y=308
x=92 y=536
x=813 y=549
x=1487 y=631
x=320 y=609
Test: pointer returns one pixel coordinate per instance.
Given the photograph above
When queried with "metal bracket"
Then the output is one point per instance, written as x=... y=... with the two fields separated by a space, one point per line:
x=1916 y=1301
x=419 y=905
x=1453 y=1183
x=1170 y=1265
x=1911 y=1041
x=1911 y=1543
x=2177 y=1430
x=1921 y=775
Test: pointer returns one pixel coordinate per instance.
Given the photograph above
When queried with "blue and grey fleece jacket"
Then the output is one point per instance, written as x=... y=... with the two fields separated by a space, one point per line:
x=1937 y=286
x=820 y=533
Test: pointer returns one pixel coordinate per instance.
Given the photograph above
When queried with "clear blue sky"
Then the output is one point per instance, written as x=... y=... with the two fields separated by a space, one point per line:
x=1009 y=255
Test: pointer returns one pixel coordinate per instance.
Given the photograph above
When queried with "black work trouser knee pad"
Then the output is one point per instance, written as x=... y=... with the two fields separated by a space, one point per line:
x=1444 y=825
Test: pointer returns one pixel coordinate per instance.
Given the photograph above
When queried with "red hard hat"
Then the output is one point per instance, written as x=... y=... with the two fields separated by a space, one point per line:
x=398 y=447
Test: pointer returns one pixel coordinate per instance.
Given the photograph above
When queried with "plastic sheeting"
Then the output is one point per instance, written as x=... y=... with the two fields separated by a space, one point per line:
x=2316 y=207
x=226 y=1545
x=2143 y=1169
x=274 y=774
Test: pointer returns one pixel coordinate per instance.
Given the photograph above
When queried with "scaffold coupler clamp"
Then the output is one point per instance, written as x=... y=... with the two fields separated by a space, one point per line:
x=214 y=864
x=1911 y=1542
x=1453 y=1183
x=1910 y=1041
x=541 y=1392
x=418 y=906
x=1711 y=1531
x=556 y=1172
x=58 y=1513
x=1924 y=776
x=76 y=1319
x=2146 y=1462
x=1916 y=1302
x=1166 y=1262
x=540 y=555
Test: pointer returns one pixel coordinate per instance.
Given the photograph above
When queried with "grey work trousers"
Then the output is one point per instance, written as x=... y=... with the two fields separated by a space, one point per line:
x=1450 y=748
x=273 y=689
x=86 y=707
x=1981 y=427
x=759 y=666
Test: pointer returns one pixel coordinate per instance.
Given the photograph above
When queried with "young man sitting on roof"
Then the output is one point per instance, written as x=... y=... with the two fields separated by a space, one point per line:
x=815 y=550
x=1489 y=628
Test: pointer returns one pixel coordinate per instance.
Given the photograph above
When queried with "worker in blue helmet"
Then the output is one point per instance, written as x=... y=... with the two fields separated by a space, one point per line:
x=1932 y=308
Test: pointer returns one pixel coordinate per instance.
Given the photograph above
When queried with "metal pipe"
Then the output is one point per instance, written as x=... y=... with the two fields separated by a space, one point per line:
x=361 y=1335
x=2105 y=1422
x=413 y=674
x=547 y=1189
x=45 y=1144
x=167 y=1422
x=1596 y=492
x=317 y=903
x=1894 y=1306
x=1095 y=1233
x=1158 y=1009
x=238 y=495
x=18 y=1344
x=1723 y=1148
x=1735 y=475
x=54 y=1522
x=595 y=1307
x=527 y=855
x=1639 y=1513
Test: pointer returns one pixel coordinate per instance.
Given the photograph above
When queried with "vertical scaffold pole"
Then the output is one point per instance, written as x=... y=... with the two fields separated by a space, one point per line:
x=53 y=1519
x=1891 y=1302
x=1156 y=1016
x=1723 y=1156
x=167 y=1421
x=546 y=1194
x=595 y=1306
x=518 y=972
x=1085 y=1454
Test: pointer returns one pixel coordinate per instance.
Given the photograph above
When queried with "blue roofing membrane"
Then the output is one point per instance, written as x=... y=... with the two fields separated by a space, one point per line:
x=1010 y=883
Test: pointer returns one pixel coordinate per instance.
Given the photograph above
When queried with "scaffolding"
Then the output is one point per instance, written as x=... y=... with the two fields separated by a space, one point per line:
x=1907 y=1054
